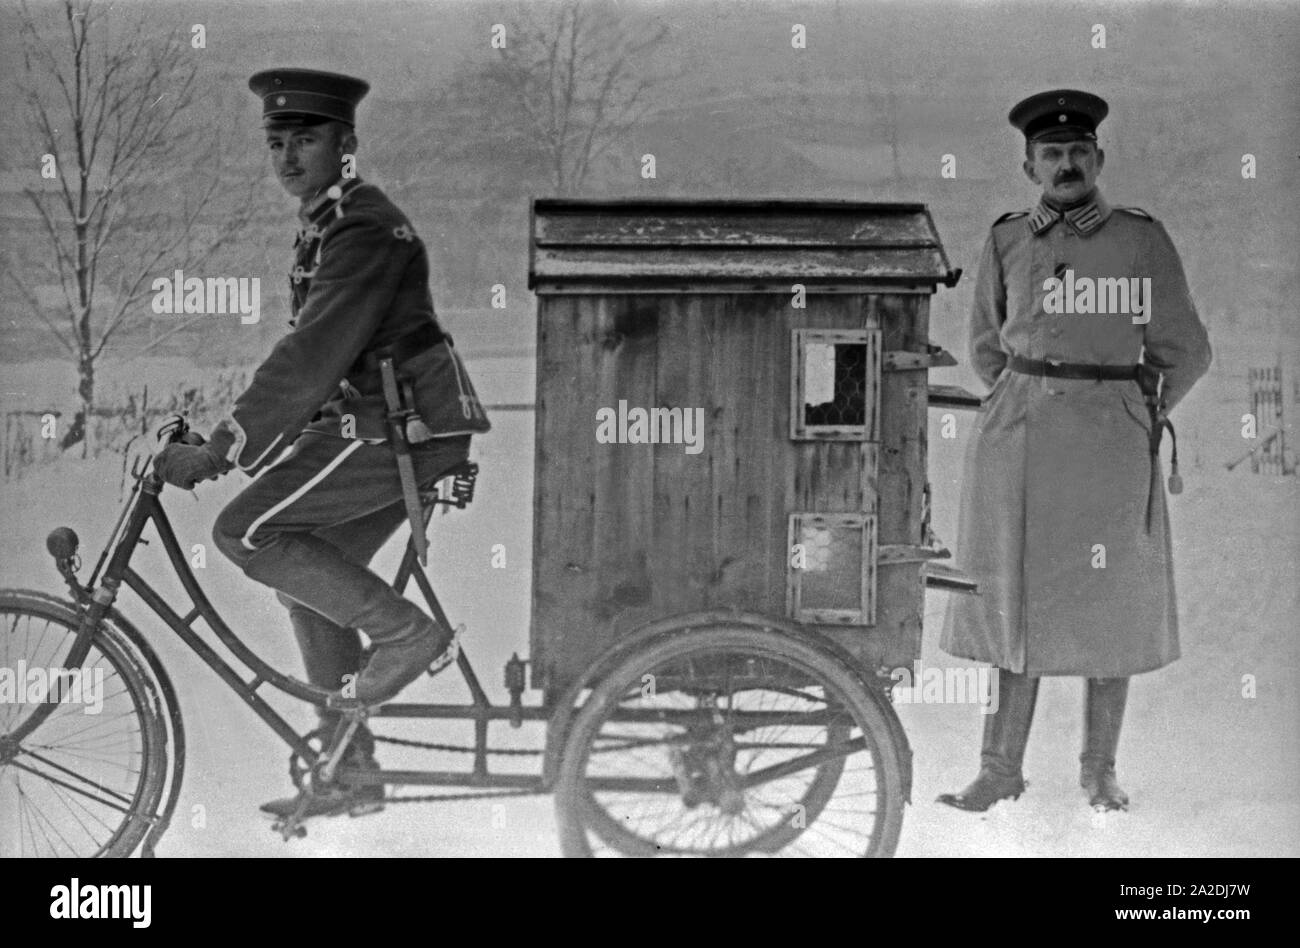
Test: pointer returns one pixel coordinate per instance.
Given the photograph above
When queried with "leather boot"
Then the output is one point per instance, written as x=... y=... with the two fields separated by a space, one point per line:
x=340 y=797
x=1103 y=715
x=404 y=641
x=1006 y=732
x=329 y=653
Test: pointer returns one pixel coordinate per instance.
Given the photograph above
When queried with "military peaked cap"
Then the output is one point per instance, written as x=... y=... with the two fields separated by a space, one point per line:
x=307 y=96
x=1059 y=115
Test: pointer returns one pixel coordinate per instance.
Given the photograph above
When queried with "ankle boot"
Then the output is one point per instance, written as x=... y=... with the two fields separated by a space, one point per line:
x=341 y=796
x=404 y=641
x=1103 y=715
x=1006 y=732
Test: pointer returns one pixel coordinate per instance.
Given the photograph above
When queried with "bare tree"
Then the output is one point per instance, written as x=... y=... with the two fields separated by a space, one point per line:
x=570 y=81
x=111 y=110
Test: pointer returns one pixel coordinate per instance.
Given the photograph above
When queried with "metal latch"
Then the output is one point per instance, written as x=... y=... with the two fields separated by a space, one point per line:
x=900 y=360
x=909 y=553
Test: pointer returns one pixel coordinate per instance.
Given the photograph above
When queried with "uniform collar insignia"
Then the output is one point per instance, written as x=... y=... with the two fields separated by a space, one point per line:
x=1084 y=219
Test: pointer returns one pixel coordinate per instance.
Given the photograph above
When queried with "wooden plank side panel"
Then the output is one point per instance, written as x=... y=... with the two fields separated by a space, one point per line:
x=590 y=561
x=709 y=227
x=624 y=477
x=835 y=476
x=768 y=265
x=750 y=385
x=682 y=557
x=714 y=544
x=900 y=600
x=563 y=491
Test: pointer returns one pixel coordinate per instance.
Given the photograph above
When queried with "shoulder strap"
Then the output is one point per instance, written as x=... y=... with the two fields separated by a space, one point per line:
x=1010 y=216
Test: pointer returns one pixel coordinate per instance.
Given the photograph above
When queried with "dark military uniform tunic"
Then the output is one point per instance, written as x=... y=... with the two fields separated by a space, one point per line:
x=360 y=282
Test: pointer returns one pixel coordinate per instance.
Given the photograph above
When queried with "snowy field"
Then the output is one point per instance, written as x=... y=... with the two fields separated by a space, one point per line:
x=1211 y=773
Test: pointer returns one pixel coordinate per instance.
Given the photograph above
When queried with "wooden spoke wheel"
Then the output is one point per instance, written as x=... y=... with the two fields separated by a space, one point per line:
x=730 y=740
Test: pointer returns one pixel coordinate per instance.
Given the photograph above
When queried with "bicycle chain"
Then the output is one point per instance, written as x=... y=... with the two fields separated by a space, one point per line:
x=457 y=748
x=450 y=797
x=461 y=749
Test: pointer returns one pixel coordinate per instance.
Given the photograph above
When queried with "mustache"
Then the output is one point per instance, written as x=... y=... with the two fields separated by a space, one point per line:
x=1065 y=176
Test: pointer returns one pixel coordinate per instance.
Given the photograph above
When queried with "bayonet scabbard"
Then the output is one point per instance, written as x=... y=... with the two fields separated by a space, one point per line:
x=398 y=416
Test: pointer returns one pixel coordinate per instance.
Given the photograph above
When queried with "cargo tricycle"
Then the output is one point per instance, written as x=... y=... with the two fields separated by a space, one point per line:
x=731 y=547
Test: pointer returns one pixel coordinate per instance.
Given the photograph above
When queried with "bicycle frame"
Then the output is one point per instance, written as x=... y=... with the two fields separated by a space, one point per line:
x=145 y=508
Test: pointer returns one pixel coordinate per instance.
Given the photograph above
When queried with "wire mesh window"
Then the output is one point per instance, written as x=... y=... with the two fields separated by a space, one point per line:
x=835 y=384
x=831 y=572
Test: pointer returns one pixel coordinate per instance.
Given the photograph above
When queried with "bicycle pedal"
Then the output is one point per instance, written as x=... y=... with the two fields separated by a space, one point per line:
x=449 y=655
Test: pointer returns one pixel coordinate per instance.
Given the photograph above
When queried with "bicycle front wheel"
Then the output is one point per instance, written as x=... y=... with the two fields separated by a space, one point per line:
x=87 y=778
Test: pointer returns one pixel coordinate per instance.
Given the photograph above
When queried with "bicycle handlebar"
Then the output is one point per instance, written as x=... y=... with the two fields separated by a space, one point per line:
x=177 y=430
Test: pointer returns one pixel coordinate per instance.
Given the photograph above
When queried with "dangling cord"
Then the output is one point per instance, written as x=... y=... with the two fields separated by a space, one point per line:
x=1158 y=426
x=1153 y=444
x=1175 y=482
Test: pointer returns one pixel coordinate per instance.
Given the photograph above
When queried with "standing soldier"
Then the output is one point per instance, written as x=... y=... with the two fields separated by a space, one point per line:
x=320 y=510
x=1063 y=521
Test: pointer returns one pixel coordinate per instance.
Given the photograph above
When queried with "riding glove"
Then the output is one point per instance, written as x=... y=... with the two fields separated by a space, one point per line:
x=184 y=465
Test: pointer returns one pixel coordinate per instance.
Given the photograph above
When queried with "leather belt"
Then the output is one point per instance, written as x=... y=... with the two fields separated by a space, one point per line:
x=1148 y=378
x=405 y=347
x=1049 y=368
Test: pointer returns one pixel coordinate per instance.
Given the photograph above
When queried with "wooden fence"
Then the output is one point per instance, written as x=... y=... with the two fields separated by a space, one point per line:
x=26 y=441
x=1273 y=451
x=23 y=443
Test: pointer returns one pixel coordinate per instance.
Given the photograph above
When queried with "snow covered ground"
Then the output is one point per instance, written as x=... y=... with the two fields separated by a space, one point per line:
x=1211 y=773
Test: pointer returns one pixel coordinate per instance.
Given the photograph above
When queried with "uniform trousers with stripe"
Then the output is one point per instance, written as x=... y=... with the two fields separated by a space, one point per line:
x=309 y=526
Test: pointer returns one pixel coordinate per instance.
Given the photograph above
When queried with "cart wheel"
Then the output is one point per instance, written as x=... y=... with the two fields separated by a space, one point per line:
x=87 y=778
x=730 y=740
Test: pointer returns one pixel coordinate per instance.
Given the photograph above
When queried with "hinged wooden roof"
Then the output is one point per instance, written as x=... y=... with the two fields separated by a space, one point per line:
x=678 y=244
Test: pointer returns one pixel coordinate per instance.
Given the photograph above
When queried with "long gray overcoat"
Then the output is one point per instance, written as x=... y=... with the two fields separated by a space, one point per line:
x=1057 y=472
